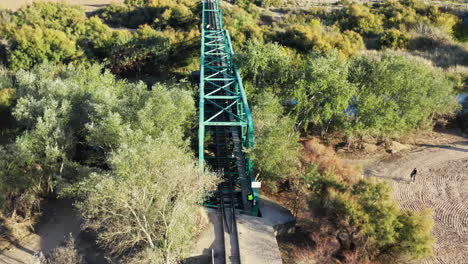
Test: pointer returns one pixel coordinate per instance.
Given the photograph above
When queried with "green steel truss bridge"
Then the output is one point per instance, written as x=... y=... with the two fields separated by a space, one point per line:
x=225 y=121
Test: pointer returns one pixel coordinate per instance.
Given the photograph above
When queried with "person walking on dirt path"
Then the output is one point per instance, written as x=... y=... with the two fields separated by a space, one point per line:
x=413 y=174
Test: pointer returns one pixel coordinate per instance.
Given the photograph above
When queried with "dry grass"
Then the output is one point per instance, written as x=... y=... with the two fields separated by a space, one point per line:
x=315 y=239
x=328 y=161
x=88 y=5
x=66 y=254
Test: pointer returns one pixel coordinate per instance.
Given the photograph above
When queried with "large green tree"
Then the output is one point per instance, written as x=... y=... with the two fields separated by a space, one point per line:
x=324 y=94
x=276 y=150
x=150 y=199
x=396 y=95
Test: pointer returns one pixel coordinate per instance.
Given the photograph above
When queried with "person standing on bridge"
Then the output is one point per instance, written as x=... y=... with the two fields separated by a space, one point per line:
x=413 y=174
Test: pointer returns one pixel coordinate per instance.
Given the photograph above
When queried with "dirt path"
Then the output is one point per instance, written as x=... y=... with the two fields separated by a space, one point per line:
x=60 y=220
x=441 y=185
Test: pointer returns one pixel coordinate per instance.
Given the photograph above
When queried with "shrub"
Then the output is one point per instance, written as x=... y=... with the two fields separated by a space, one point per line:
x=269 y=66
x=327 y=162
x=68 y=19
x=7 y=93
x=242 y=25
x=270 y=3
x=360 y=19
x=395 y=39
x=57 y=110
x=160 y=14
x=371 y=227
x=146 y=51
x=323 y=94
x=153 y=195
x=317 y=38
x=396 y=95
x=66 y=254
x=461 y=32
x=31 y=46
x=276 y=143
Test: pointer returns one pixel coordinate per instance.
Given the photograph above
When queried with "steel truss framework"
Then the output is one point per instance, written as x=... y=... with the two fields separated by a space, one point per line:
x=223 y=103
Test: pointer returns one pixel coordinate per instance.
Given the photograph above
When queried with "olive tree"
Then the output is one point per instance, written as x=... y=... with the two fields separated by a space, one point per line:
x=276 y=150
x=324 y=94
x=397 y=95
x=149 y=199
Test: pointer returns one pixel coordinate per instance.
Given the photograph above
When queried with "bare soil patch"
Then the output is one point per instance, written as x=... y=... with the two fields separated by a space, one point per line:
x=441 y=185
x=59 y=221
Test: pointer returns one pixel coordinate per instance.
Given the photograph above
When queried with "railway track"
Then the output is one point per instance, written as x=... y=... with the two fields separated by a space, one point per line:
x=226 y=145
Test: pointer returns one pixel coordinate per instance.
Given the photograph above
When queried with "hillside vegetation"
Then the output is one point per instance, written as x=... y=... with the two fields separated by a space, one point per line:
x=75 y=122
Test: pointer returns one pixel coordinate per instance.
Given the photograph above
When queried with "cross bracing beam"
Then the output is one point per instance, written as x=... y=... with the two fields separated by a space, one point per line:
x=223 y=103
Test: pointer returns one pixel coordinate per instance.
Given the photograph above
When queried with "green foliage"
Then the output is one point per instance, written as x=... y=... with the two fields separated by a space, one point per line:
x=242 y=26
x=268 y=66
x=370 y=222
x=360 y=19
x=139 y=113
x=146 y=50
x=7 y=93
x=270 y=3
x=307 y=38
x=160 y=14
x=31 y=46
x=368 y=95
x=324 y=93
x=60 y=33
x=393 y=38
x=461 y=32
x=61 y=110
x=68 y=19
x=276 y=147
x=397 y=95
x=145 y=200
x=414 y=234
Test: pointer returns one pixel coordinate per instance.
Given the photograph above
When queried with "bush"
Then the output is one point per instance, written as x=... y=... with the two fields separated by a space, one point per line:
x=68 y=19
x=153 y=195
x=269 y=66
x=360 y=19
x=276 y=142
x=318 y=38
x=58 y=109
x=395 y=39
x=146 y=51
x=327 y=162
x=66 y=254
x=31 y=46
x=461 y=32
x=242 y=26
x=370 y=225
x=160 y=14
x=7 y=93
x=396 y=95
x=323 y=94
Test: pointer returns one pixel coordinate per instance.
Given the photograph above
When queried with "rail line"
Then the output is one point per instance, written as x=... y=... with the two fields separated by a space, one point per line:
x=225 y=129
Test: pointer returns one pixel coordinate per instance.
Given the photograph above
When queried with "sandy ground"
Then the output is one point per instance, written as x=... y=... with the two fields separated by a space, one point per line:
x=60 y=221
x=441 y=185
x=88 y=5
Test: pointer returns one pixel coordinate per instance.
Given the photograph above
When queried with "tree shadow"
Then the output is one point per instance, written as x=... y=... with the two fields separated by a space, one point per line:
x=216 y=248
x=447 y=146
x=441 y=52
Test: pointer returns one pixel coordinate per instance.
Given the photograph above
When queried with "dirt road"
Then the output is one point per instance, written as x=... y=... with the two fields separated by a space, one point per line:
x=441 y=185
